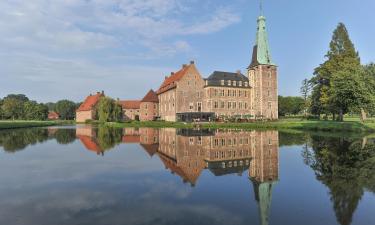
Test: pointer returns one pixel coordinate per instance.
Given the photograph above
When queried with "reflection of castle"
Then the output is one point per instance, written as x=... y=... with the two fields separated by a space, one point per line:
x=187 y=153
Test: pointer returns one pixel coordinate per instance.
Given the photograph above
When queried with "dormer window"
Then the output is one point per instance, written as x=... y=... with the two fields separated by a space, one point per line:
x=240 y=84
x=234 y=83
x=229 y=83
x=222 y=82
x=246 y=84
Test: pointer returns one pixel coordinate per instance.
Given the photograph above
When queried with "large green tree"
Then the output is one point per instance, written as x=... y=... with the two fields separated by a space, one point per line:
x=109 y=110
x=34 y=111
x=342 y=58
x=66 y=109
x=12 y=108
x=290 y=105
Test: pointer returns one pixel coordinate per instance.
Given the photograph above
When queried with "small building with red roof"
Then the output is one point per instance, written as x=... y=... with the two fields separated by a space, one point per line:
x=131 y=109
x=52 y=115
x=88 y=109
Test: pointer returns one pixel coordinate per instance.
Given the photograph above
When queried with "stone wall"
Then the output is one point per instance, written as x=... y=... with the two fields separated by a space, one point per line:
x=131 y=114
x=263 y=79
x=228 y=101
x=82 y=116
x=149 y=111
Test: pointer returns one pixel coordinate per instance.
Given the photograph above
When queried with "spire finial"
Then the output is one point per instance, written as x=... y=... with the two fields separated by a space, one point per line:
x=261 y=7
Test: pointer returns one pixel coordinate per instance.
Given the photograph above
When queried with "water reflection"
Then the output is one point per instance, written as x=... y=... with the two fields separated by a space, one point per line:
x=18 y=139
x=346 y=166
x=186 y=153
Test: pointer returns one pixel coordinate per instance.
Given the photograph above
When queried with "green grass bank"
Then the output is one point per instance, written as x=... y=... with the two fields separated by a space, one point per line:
x=7 y=124
x=349 y=126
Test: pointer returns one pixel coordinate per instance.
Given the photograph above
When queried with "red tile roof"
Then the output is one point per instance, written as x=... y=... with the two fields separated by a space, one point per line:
x=131 y=139
x=53 y=115
x=151 y=96
x=89 y=143
x=90 y=102
x=170 y=82
x=131 y=104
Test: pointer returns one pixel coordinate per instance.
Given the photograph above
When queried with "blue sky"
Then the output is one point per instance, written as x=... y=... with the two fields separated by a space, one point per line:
x=65 y=49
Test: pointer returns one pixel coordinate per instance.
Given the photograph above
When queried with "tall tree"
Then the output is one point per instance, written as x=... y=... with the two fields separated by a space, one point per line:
x=342 y=57
x=305 y=92
x=109 y=110
x=66 y=109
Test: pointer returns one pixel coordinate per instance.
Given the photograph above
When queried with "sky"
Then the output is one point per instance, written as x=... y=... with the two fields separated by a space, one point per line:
x=66 y=49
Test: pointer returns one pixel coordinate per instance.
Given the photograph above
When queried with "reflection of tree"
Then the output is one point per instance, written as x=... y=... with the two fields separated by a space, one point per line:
x=346 y=167
x=18 y=139
x=108 y=137
x=65 y=136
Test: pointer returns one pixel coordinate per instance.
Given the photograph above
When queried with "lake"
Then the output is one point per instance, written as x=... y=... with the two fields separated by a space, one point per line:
x=99 y=175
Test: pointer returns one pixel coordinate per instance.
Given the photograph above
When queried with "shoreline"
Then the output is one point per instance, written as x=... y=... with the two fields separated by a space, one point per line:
x=279 y=125
x=8 y=124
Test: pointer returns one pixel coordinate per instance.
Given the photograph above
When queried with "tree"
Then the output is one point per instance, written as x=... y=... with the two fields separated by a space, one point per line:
x=348 y=91
x=305 y=92
x=342 y=57
x=290 y=105
x=109 y=110
x=66 y=109
x=34 y=111
x=12 y=108
x=369 y=77
x=1 y=110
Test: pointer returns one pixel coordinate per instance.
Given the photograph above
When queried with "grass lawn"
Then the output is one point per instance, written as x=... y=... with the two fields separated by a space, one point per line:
x=10 y=124
x=296 y=124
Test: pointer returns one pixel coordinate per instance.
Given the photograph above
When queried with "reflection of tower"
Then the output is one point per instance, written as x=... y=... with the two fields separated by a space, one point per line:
x=264 y=170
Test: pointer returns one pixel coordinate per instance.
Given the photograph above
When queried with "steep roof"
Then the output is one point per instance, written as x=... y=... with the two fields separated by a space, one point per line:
x=170 y=82
x=90 y=102
x=151 y=96
x=131 y=104
x=261 y=50
x=53 y=114
x=216 y=77
x=89 y=143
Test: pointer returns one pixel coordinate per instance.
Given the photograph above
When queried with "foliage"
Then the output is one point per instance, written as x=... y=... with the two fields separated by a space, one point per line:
x=108 y=137
x=109 y=110
x=290 y=105
x=21 y=108
x=65 y=136
x=342 y=59
x=346 y=166
x=305 y=92
x=34 y=111
x=66 y=109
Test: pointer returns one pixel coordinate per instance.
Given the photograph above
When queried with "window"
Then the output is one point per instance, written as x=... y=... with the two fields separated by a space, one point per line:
x=269 y=105
x=222 y=82
x=222 y=93
x=146 y=106
x=216 y=105
x=234 y=83
x=246 y=84
x=269 y=74
x=239 y=93
x=240 y=84
x=222 y=105
x=229 y=83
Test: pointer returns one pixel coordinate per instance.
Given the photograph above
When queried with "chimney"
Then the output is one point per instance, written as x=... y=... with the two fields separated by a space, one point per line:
x=172 y=73
x=97 y=92
x=102 y=92
x=238 y=72
x=166 y=77
x=192 y=62
x=184 y=65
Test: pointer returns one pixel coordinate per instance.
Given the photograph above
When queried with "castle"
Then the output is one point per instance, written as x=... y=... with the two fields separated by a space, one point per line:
x=186 y=96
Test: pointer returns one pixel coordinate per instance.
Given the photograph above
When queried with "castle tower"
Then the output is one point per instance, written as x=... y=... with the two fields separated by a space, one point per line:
x=262 y=74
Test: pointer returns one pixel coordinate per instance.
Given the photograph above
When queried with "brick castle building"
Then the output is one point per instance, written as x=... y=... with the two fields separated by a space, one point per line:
x=186 y=96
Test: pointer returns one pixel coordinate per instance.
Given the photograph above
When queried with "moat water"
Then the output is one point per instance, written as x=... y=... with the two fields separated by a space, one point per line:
x=84 y=175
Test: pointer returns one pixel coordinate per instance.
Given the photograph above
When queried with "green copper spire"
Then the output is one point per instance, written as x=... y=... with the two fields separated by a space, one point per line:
x=263 y=195
x=261 y=51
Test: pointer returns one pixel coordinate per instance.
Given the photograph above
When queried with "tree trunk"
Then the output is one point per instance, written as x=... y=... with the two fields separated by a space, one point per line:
x=341 y=117
x=363 y=115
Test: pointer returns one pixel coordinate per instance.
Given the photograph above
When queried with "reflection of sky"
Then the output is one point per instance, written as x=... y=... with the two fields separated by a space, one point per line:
x=66 y=184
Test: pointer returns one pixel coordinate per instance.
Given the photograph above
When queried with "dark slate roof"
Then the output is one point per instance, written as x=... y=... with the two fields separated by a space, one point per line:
x=216 y=77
